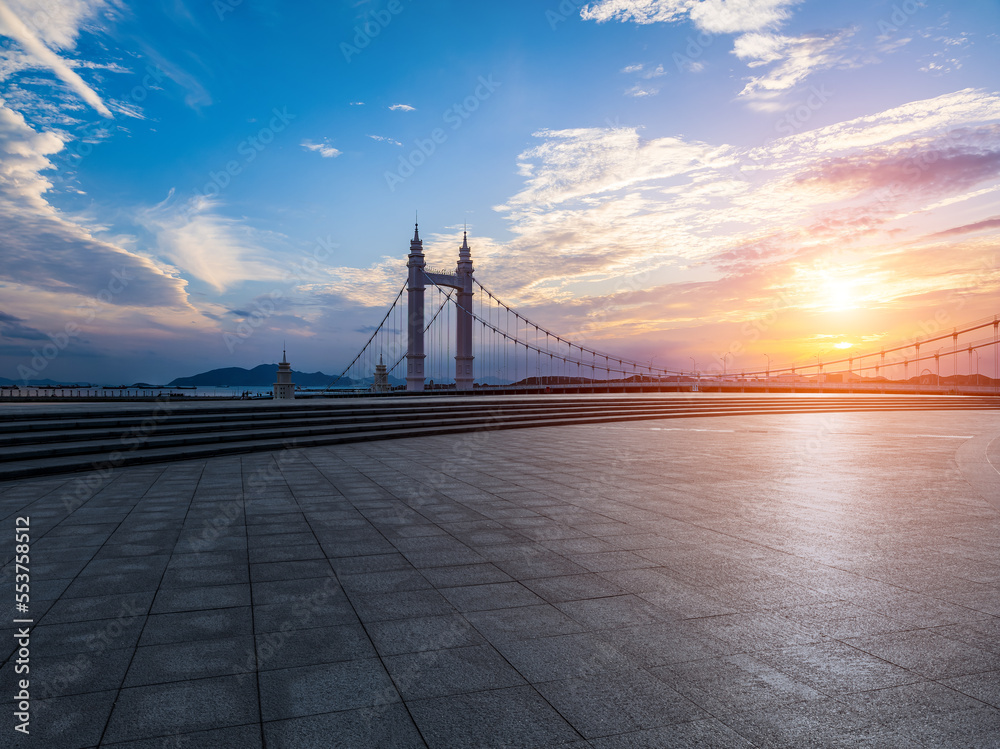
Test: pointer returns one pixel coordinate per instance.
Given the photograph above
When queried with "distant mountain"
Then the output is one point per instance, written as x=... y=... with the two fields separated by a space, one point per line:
x=260 y=376
x=42 y=383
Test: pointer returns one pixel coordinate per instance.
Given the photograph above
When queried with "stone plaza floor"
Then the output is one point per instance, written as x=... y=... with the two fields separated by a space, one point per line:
x=797 y=580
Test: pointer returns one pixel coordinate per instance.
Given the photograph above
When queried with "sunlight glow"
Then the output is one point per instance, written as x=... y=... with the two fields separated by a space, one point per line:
x=840 y=293
x=843 y=344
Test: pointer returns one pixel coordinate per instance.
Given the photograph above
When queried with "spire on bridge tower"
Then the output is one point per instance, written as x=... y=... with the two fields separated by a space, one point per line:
x=415 y=305
x=463 y=321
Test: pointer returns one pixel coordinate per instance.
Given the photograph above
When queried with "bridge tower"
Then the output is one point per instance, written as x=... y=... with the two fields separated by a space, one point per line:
x=462 y=282
x=463 y=322
x=415 y=314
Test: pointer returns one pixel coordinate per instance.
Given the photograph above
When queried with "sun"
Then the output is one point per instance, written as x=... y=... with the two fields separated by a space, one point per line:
x=840 y=293
x=843 y=344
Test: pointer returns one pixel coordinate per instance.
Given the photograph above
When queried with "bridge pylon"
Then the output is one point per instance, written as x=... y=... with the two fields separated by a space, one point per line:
x=415 y=314
x=463 y=282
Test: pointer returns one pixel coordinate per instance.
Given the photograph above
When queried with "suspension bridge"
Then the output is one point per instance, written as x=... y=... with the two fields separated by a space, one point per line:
x=445 y=331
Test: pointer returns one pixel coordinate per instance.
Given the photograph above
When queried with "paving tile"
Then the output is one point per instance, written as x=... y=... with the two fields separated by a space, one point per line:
x=928 y=654
x=111 y=606
x=825 y=723
x=422 y=633
x=183 y=707
x=511 y=717
x=435 y=673
x=490 y=596
x=522 y=622
x=197 y=659
x=572 y=587
x=72 y=721
x=563 y=656
x=665 y=642
x=323 y=688
x=611 y=611
x=836 y=668
x=384 y=727
x=187 y=626
x=70 y=673
x=291 y=570
x=386 y=581
x=377 y=607
x=92 y=636
x=170 y=600
x=733 y=684
x=301 y=647
x=196 y=577
x=297 y=593
x=245 y=737
x=984 y=687
x=616 y=702
x=468 y=574
x=696 y=734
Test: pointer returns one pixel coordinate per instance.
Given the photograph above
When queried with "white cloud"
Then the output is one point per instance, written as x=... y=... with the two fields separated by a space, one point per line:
x=734 y=16
x=129 y=109
x=794 y=59
x=60 y=35
x=357 y=103
x=402 y=108
x=48 y=251
x=638 y=91
x=712 y=16
x=638 y=11
x=632 y=68
x=197 y=239
x=601 y=206
x=384 y=139
x=324 y=149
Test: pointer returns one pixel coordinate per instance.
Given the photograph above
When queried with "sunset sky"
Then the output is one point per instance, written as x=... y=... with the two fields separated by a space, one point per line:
x=659 y=178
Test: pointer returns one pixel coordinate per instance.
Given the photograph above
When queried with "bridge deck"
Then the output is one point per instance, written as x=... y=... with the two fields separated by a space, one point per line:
x=790 y=580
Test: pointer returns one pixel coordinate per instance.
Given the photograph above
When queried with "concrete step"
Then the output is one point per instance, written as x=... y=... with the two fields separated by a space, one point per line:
x=90 y=453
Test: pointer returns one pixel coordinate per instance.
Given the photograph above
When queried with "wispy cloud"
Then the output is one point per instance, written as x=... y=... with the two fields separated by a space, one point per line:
x=713 y=16
x=48 y=251
x=639 y=90
x=402 y=108
x=715 y=233
x=324 y=149
x=384 y=139
x=12 y=26
x=196 y=238
x=794 y=59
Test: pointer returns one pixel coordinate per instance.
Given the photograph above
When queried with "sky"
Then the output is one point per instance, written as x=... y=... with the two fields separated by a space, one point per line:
x=191 y=184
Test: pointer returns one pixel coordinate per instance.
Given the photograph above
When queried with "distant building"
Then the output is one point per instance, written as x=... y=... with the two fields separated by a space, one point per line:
x=381 y=381
x=284 y=388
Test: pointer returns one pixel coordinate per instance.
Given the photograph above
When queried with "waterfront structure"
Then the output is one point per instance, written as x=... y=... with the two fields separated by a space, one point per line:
x=284 y=388
x=381 y=382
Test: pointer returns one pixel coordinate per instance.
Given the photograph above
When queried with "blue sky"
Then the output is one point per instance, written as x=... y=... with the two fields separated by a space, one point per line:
x=654 y=175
